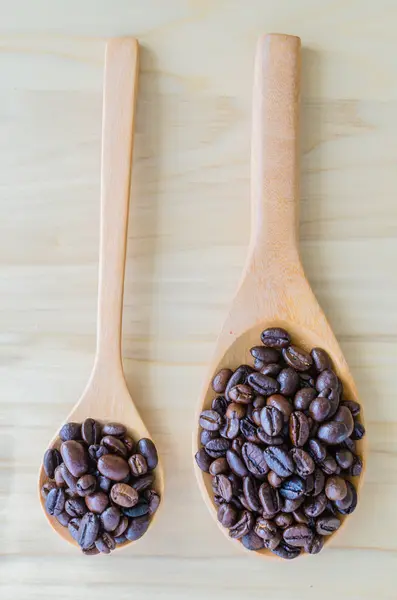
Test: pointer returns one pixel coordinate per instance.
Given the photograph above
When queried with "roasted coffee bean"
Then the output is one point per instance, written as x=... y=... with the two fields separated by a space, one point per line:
x=58 y=476
x=343 y=415
x=298 y=535
x=239 y=376
x=276 y=440
x=319 y=409
x=329 y=465
x=242 y=394
x=269 y=532
x=303 y=462
x=321 y=359
x=73 y=527
x=52 y=459
x=315 y=545
x=270 y=499
x=272 y=420
x=298 y=428
x=319 y=481
x=314 y=507
x=115 y=429
x=88 y=530
x=124 y=495
x=279 y=461
x=237 y=445
x=272 y=369
x=70 y=431
x=288 y=379
x=326 y=525
x=297 y=358
x=70 y=480
x=76 y=507
x=121 y=527
x=249 y=430
x=349 y=444
x=128 y=443
x=105 y=543
x=292 y=488
x=356 y=468
x=263 y=384
x=254 y=459
x=250 y=494
x=274 y=479
x=153 y=500
x=114 y=445
x=217 y=448
x=75 y=457
x=333 y=432
x=283 y=520
x=335 y=488
x=236 y=502
x=275 y=337
x=299 y=517
x=92 y=551
x=114 y=467
x=140 y=509
x=353 y=406
x=227 y=515
x=137 y=528
x=97 y=502
x=235 y=411
x=104 y=483
x=285 y=551
x=282 y=404
x=242 y=526
x=110 y=518
x=251 y=541
x=63 y=518
x=290 y=506
x=138 y=465
x=326 y=379
x=349 y=502
x=309 y=484
x=91 y=432
x=96 y=451
x=220 y=380
x=224 y=487
x=143 y=483
x=255 y=416
x=236 y=463
x=344 y=458
x=219 y=404
x=265 y=355
x=219 y=466
x=86 y=485
x=236 y=482
x=358 y=431
x=317 y=450
x=230 y=430
x=47 y=487
x=55 y=501
x=303 y=398
x=210 y=420
x=206 y=436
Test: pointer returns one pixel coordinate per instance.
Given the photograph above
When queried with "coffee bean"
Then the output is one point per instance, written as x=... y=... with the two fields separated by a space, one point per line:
x=220 y=380
x=86 y=485
x=249 y=430
x=343 y=415
x=114 y=445
x=283 y=520
x=265 y=355
x=242 y=526
x=357 y=467
x=143 y=483
x=285 y=551
x=317 y=450
x=206 y=436
x=270 y=499
x=333 y=433
x=114 y=429
x=91 y=432
x=288 y=379
x=52 y=459
x=236 y=464
x=298 y=535
x=230 y=429
x=274 y=479
x=358 y=431
x=124 y=495
x=326 y=525
x=97 y=502
x=210 y=420
x=315 y=545
x=292 y=488
x=114 y=467
x=153 y=500
x=219 y=466
x=272 y=420
x=349 y=502
x=319 y=409
x=321 y=359
x=75 y=507
x=75 y=457
x=303 y=462
x=300 y=517
x=281 y=404
x=219 y=404
x=344 y=458
x=276 y=440
x=227 y=515
x=335 y=488
x=303 y=398
x=251 y=541
x=70 y=431
x=329 y=465
x=110 y=518
x=254 y=459
x=121 y=527
x=104 y=483
x=95 y=451
x=55 y=501
x=73 y=527
x=235 y=411
x=349 y=444
x=138 y=465
x=241 y=393
x=268 y=531
x=275 y=337
x=237 y=445
x=250 y=494
x=326 y=379
x=298 y=428
x=279 y=461
x=105 y=543
x=128 y=443
x=272 y=369
x=47 y=487
x=92 y=551
x=63 y=518
x=314 y=507
x=297 y=358
x=224 y=487
x=58 y=476
x=140 y=509
x=353 y=406
x=239 y=376
x=120 y=539
x=263 y=384
x=88 y=530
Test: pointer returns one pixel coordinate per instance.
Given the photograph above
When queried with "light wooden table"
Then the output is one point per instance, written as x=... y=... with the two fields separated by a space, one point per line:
x=188 y=236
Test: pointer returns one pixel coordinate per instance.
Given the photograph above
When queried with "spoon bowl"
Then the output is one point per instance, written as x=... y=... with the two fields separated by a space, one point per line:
x=106 y=397
x=273 y=291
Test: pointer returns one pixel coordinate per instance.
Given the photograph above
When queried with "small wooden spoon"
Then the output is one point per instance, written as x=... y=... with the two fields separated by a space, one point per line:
x=274 y=291
x=106 y=397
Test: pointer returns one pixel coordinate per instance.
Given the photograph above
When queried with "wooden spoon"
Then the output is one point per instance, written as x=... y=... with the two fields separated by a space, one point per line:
x=106 y=397
x=274 y=290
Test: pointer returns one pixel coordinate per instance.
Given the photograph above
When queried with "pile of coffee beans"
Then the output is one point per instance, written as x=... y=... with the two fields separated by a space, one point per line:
x=279 y=444
x=100 y=484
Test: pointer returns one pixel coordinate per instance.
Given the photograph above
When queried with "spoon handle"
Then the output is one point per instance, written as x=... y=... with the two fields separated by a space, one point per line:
x=120 y=84
x=275 y=149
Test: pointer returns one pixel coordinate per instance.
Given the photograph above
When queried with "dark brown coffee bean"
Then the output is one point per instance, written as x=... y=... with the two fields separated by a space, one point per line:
x=96 y=451
x=276 y=440
x=275 y=337
x=285 y=551
x=272 y=420
x=288 y=379
x=219 y=404
x=220 y=380
x=319 y=481
x=270 y=499
x=282 y=404
x=114 y=467
x=235 y=411
x=349 y=502
x=219 y=466
x=91 y=432
x=97 y=502
x=303 y=462
x=297 y=358
x=47 y=487
x=114 y=445
x=239 y=376
x=343 y=415
x=70 y=431
x=110 y=518
x=315 y=545
x=236 y=482
x=128 y=443
x=217 y=448
x=73 y=527
x=326 y=525
x=227 y=515
x=104 y=483
x=254 y=459
x=250 y=494
x=321 y=359
x=210 y=420
x=63 y=518
x=268 y=531
x=329 y=465
x=105 y=543
x=298 y=428
x=242 y=526
x=298 y=535
x=279 y=461
x=358 y=431
x=75 y=507
x=335 y=488
x=272 y=369
x=70 y=480
x=115 y=429
x=333 y=432
x=274 y=479
x=58 y=476
x=290 y=506
x=92 y=551
x=52 y=459
x=344 y=458
x=86 y=485
x=303 y=398
x=138 y=465
x=224 y=487
x=319 y=409
x=265 y=355
x=153 y=500
x=353 y=406
x=55 y=501
x=124 y=495
x=327 y=379
x=145 y=482
x=349 y=444
x=121 y=527
x=313 y=427
x=292 y=488
x=309 y=484
x=251 y=541
x=256 y=416
x=139 y=510
x=356 y=468
x=242 y=394
x=236 y=463
x=283 y=520
x=317 y=450
x=88 y=530
x=237 y=445
x=263 y=384
x=120 y=539
x=75 y=457
x=230 y=429
x=314 y=507
x=249 y=430
x=206 y=436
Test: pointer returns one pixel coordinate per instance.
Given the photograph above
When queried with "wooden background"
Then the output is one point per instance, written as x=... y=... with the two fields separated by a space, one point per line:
x=188 y=235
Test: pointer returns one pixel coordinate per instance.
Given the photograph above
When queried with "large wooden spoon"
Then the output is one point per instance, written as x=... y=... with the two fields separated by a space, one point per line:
x=274 y=290
x=106 y=396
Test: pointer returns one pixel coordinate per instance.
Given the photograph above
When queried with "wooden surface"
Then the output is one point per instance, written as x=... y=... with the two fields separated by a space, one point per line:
x=188 y=237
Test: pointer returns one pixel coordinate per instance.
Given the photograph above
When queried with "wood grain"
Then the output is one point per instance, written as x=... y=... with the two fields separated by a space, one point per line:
x=188 y=236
